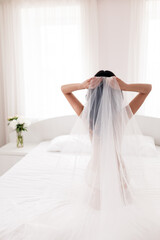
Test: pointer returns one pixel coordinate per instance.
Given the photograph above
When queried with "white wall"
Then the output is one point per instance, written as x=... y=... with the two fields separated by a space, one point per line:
x=113 y=18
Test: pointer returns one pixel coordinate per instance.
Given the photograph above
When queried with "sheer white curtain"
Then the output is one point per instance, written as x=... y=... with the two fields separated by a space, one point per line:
x=44 y=44
x=144 y=53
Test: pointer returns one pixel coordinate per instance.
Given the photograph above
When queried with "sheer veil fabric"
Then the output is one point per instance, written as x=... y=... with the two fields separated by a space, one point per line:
x=115 y=196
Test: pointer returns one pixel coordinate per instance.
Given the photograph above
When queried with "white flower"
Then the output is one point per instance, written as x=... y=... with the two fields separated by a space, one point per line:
x=13 y=124
x=27 y=123
x=20 y=120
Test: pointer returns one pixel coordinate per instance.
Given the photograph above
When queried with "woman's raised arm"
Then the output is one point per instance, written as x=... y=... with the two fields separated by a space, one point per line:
x=142 y=89
x=67 y=91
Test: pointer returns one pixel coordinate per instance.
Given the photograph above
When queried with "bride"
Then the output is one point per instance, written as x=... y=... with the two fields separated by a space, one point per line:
x=114 y=195
x=122 y=214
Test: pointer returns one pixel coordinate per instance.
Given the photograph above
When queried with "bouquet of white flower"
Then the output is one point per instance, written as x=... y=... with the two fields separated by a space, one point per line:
x=19 y=124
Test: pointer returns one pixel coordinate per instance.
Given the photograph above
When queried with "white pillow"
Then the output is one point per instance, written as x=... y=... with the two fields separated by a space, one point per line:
x=139 y=145
x=70 y=144
x=132 y=145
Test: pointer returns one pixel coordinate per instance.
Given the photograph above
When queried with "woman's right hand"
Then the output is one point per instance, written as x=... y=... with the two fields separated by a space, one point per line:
x=112 y=81
x=122 y=84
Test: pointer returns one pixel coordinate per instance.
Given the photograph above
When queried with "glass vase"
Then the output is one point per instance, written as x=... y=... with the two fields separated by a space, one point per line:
x=19 y=140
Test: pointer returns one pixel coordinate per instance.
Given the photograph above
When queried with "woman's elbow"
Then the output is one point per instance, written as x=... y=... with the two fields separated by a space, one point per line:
x=62 y=88
x=149 y=88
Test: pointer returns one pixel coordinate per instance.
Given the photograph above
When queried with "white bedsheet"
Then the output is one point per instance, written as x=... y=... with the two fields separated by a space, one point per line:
x=24 y=187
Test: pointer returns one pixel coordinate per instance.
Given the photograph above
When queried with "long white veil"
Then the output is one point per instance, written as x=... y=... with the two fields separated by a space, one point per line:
x=115 y=196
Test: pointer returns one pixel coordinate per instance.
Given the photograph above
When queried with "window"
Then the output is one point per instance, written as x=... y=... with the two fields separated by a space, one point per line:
x=52 y=55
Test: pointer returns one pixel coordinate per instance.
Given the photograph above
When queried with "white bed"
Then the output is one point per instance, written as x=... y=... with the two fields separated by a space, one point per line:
x=24 y=187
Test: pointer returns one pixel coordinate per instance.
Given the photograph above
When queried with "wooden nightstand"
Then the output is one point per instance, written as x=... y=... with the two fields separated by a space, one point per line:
x=10 y=155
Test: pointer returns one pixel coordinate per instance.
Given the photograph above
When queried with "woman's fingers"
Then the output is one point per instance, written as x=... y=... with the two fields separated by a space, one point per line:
x=94 y=82
x=112 y=81
x=115 y=83
x=86 y=84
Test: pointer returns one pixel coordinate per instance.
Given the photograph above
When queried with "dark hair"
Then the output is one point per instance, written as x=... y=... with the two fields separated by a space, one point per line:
x=103 y=73
x=97 y=98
